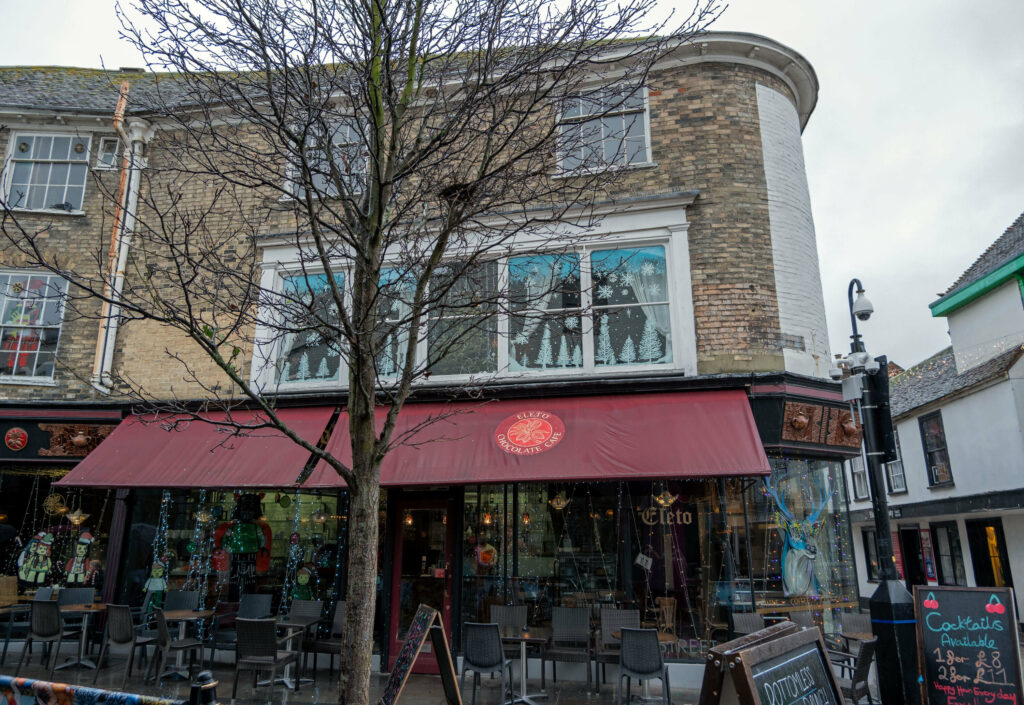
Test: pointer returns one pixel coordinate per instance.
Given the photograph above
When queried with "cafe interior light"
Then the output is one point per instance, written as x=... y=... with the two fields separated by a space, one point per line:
x=526 y=518
x=559 y=502
x=488 y=518
x=666 y=498
x=408 y=519
x=203 y=516
x=319 y=516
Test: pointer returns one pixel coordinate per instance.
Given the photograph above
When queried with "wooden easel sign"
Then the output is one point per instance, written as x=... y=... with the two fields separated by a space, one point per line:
x=422 y=625
x=779 y=665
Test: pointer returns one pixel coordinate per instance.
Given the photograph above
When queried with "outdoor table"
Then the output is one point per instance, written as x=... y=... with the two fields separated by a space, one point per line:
x=86 y=610
x=537 y=636
x=183 y=617
x=855 y=636
x=295 y=626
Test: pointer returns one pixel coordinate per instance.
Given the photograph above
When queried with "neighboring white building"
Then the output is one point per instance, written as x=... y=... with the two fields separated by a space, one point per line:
x=956 y=497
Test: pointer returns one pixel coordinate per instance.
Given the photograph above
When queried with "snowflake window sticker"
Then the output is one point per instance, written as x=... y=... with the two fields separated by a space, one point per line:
x=572 y=323
x=604 y=291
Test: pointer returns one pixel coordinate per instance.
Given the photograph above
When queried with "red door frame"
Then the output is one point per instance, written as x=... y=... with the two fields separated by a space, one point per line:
x=426 y=663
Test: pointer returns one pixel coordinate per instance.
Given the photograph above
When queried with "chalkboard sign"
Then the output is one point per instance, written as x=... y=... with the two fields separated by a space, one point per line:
x=791 y=670
x=715 y=688
x=414 y=638
x=967 y=641
x=445 y=665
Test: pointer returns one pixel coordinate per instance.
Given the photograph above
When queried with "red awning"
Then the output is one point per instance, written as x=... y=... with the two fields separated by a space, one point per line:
x=634 y=436
x=142 y=452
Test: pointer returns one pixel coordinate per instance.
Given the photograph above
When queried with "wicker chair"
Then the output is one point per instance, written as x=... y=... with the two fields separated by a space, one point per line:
x=570 y=640
x=483 y=653
x=854 y=670
x=46 y=625
x=608 y=648
x=259 y=649
x=120 y=631
x=746 y=623
x=15 y=626
x=181 y=600
x=165 y=646
x=331 y=645
x=509 y=617
x=641 y=659
x=223 y=636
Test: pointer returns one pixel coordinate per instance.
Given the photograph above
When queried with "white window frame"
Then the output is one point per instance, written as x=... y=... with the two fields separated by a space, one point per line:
x=895 y=470
x=12 y=159
x=346 y=124
x=276 y=340
x=650 y=225
x=858 y=476
x=98 y=163
x=59 y=327
x=645 y=115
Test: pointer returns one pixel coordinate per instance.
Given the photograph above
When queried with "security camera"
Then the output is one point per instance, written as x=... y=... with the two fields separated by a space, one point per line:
x=835 y=373
x=862 y=308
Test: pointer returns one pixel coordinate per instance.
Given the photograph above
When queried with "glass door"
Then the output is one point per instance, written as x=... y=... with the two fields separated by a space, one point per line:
x=422 y=571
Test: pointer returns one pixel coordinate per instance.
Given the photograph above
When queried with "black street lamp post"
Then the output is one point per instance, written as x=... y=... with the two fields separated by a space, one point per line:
x=892 y=606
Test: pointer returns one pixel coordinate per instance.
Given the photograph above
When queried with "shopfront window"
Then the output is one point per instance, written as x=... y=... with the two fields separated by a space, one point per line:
x=290 y=545
x=686 y=554
x=50 y=536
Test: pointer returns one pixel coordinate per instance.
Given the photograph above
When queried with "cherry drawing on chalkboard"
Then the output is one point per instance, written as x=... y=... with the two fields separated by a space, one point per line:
x=994 y=606
x=931 y=603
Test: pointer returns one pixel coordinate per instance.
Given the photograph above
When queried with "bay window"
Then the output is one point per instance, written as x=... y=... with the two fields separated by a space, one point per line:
x=583 y=310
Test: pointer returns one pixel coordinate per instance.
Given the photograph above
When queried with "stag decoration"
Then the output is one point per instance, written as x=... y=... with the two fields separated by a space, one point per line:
x=800 y=570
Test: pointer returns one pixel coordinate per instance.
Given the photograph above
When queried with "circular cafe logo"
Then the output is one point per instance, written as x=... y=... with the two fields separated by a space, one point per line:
x=16 y=438
x=529 y=433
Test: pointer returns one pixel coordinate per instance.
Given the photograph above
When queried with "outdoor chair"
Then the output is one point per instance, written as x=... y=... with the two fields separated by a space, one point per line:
x=666 y=615
x=483 y=653
x=14 y=626
x=120 y=631
x=223 y=634
x=746 y=622
x=259 y=649
x=510 y=617
x=44 y=593
x=608 y=648
x=854 y=670
x=853 y=623
x=331 y=644
x=570 y=640
x=641 y=659
x=165 y=646
x=46 y=625
x=311 y=609
x=181 y=600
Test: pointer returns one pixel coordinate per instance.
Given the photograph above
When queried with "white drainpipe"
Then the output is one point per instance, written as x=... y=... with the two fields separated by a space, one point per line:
x=137 y=134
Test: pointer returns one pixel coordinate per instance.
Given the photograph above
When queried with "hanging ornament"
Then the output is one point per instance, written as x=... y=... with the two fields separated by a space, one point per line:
x=284 y=501
x=77 y=517
x=54 y=505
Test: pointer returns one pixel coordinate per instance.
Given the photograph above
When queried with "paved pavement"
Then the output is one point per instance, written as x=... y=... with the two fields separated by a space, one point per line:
x=419 y=689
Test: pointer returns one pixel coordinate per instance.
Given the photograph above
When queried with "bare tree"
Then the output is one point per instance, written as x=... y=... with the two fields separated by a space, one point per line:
x=398 y=148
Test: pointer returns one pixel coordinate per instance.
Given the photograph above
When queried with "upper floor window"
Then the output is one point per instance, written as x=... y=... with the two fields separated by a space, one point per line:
x=106 y=155
x=32 y=313
x=606 y=127
x=344 y=164
x=561 y=312
x=859 y=474
x=308 y=351
x=48 y=172
x=895 y=476
x=936 y=456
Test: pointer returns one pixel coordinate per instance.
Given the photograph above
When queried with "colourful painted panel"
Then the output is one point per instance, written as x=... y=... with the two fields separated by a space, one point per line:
x=26 y=691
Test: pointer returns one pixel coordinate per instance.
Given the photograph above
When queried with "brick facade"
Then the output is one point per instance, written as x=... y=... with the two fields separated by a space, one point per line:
x=705 y=136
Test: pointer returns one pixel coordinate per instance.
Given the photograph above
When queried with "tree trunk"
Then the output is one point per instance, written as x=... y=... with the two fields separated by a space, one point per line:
x=356 y=648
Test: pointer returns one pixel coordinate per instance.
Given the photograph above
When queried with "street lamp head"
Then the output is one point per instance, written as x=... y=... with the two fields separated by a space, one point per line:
x=862 y=308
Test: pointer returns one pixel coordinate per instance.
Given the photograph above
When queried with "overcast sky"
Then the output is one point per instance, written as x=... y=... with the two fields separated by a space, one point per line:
x=915 y=152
